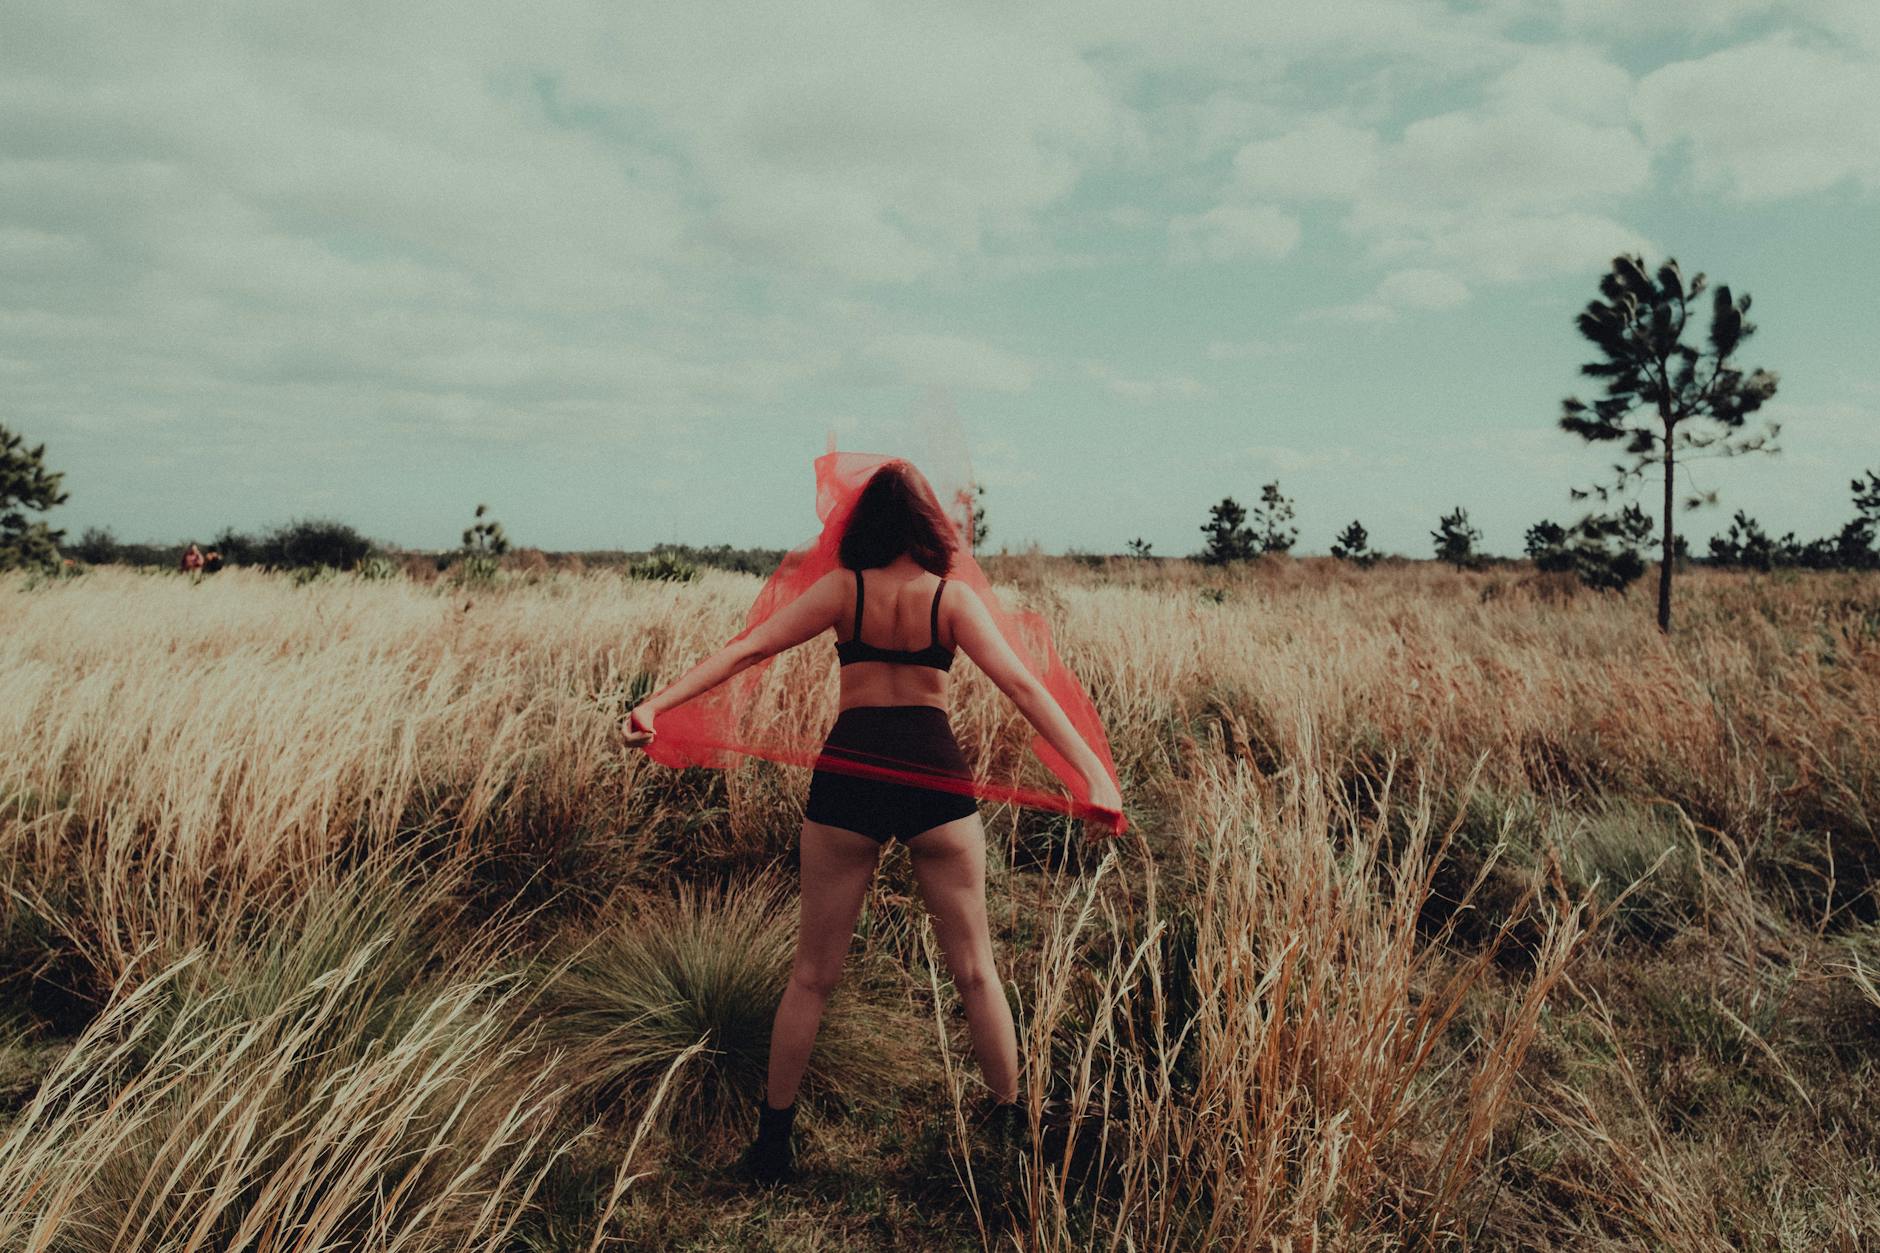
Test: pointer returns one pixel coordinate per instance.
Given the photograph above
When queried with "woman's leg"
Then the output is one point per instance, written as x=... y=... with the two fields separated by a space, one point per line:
x=950 y=867
x=836 y=868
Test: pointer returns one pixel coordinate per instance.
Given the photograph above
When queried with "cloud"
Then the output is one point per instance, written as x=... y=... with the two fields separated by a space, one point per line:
x=952 y=361
x=1769 y=119
x=1397 y=292
x=1322 y=159
x=1000 y=463
x=1159 y=389
x=1248 y=349
x=1514 y=160
x=1563 y=80
x=1233 y=233
x=1290 y=460
x=1497 y=247
x=1514 y=187
x=1422 y=289
x=232 y=240
x=878 y=144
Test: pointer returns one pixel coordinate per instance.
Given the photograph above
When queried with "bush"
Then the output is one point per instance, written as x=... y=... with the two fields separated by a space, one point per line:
x=337 y=1081
x=706 y=964
x=1602 y=550
x=309 y=544
x=478 y=569
x=665 y=567
x=758 y=561
x=95 y=547
x=376 y=568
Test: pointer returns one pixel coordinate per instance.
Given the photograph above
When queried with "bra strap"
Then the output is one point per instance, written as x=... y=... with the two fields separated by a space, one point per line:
x=933 y=617
x=855 y=636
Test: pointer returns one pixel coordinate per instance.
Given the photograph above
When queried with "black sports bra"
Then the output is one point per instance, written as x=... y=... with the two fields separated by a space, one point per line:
x=856 y=649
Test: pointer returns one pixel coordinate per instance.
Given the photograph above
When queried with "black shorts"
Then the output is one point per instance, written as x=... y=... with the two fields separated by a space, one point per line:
x=901 y=738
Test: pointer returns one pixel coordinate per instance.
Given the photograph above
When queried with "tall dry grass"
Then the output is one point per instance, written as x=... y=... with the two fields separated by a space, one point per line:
x=1454 y=910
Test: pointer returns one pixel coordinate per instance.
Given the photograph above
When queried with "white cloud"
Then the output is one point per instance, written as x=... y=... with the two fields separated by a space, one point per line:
x=400 y=227
x=1290 y=460
x=1233 y=232
x=1324 y=158
x=874 y=143
x=1000 y=464
x=1629 y=18
x=1514 y=188
x=952 y=361
x=1496 y=247
x=1769 y=119
x=1422 y=289
x=1160 y=389
x=1566 y=81
x=1515 y=160
x=1248 y=349
x=1397 y=292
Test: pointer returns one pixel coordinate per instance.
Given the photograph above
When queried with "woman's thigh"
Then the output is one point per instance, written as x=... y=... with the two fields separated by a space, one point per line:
x=950 y=869
x=836 y=868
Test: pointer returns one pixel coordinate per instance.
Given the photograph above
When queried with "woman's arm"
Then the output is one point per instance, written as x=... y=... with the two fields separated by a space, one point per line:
x=804 y=618
x=976 y=633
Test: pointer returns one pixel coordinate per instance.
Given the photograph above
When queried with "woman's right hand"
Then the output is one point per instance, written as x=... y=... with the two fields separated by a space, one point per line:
x=636 y=729
x=1104 y=795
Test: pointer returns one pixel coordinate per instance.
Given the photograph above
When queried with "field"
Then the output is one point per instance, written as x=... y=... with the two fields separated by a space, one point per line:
x=1457 y=910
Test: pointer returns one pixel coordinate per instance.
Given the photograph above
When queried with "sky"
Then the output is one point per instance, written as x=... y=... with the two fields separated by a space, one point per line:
x=617 y=270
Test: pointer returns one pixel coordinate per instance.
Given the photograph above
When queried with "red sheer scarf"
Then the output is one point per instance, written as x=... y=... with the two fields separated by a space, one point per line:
x=715 y=728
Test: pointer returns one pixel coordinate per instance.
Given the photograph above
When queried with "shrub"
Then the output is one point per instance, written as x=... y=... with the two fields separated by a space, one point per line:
x=1456 y=538
x=1354 y=545
x=1604 y=551
x=376 y=568
x=319 y=1084
x=477 y=568
x=307 y=545
x=706 y=964
x=1228 y=536
x=664 y=567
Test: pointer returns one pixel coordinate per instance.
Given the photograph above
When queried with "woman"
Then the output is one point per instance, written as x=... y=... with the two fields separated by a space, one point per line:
x=898 y=620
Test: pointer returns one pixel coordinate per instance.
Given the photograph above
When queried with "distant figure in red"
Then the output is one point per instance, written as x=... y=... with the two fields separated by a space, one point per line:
x=192 y=559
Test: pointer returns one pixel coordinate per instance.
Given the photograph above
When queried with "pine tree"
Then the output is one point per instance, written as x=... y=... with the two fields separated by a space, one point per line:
x=1546 y=546
x=1604 y=550
x=1229 y=539
x=1666 y=398
x=1271 y=532
x=1854 y=546
x=980 y=531
x=1867 y=497
x=25 y=484
x=1354 y=545
x=483 y=543
x=1455 y=539
x=1744 y=544
x=1139 y=547
x=485 y=539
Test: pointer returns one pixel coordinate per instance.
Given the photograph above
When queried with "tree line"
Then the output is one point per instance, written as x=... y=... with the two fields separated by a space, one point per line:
x=1668 y=399
x=1606 y=550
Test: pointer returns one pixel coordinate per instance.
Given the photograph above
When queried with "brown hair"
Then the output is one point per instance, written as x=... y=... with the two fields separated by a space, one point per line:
x=896 y=513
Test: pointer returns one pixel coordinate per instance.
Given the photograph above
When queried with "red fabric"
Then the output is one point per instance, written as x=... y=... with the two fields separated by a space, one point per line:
x=734 y=719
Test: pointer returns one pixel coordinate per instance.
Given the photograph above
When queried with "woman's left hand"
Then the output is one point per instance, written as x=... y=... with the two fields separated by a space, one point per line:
x=636 y=729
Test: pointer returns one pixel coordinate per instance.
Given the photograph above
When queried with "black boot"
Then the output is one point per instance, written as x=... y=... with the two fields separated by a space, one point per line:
x=771 y=1157
x=1012 y=1126
x=1006 y=1126
x=1006 y=1133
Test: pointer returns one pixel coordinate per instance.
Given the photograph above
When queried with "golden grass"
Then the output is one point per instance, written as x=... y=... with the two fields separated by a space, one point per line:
x=1357 y=979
